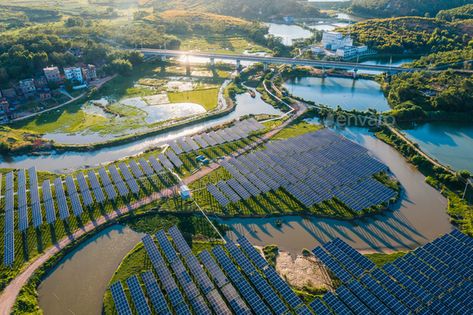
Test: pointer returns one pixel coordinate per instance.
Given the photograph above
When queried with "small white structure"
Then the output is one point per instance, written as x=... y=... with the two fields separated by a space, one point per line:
x=336 y=40
x=74 y=74
x=185 y=192
x=349 y=52
x=316 y=50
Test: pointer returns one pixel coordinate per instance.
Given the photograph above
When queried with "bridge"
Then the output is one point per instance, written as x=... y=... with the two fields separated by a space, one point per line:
x=349 y=66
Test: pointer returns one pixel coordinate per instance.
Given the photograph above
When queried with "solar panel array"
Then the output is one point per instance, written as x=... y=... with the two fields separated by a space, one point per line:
x=314 y=168
x=58 y=201
x=433 y=279
x=231 y=280
x=240 y=130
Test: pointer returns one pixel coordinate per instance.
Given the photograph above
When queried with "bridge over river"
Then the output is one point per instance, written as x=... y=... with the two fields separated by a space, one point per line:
x=323 y=64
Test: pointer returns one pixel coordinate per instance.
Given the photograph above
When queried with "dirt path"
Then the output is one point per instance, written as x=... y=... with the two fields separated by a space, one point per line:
x=10 y=293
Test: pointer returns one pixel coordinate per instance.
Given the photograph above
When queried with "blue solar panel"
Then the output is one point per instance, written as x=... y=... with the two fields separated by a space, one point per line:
x=217 y=303
x=117 y=179
x=107 y=184
x=344 y=260
x=356 y=256
x=9 y=230
x=254 y=255
x=48 y=202
x=319 y=307
x=119 y=298
x=240 y=258
x=22 y=201
x=167 y=247
x=282 y=287
x=146 y=168
x=96 y=188
x=154 y=293
x=156 y=165
x=137 y=295
x=214 y=270
x=34 y=195
x=335 y=304
x=84 y=190
x=355 y=305
x=368 y=298
x=339 y=272
x=75 y=201
x=61 y=199
x=135 y=169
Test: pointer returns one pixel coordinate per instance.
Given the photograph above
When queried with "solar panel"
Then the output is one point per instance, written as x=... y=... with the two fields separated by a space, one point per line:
x=138 y=296
x=22 y=201
x=184 y=145
x=119 y=298
x=136 y=169
x=167 y=247
x=61 y=199
x=217 y=303
x=34 y=195
x=335 y=304
x=352 y=301
x=154 y=293
x=214 y=270
x=163 y=159
x=368 y=298
x=180 y=242
x=84 y=190
x=254 y=255
x=174 y=158
x=282 y=287
x=339 y=272
x=9 y=231
x=343 y=259
x=246 y=290
x=192 y=143
x=234 y=299
x=96 y=188
x=175 y=147
x=107 y=184
x=200 y=140
x=229 y=193
x=387 y=298
x=217 y=194
x=155 y=164
x=242 y=192
x=117 y=179
x=75 y=201
x=319 y=307
x=146 y=168
x=48 y=202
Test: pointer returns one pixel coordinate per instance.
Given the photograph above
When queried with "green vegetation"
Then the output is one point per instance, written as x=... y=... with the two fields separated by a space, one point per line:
x=271 y=253
x=388 y=8
x=208 y=98
x=297 y=129
x=410 y=34
x=459 y=58
x=460 y=13
x=380 y=259
x=419 y=95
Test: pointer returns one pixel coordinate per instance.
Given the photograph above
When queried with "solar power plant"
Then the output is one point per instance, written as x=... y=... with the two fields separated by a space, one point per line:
x=107 y=184
x=184 y=145
x=158 y=168
x=229 y=193
x=9 y=232
x=155 y=294
x=174 y=158
x=138 y=296
x=84 y=190
x=208 y=139
x=192 y=143
x=430 y=279
x=163 y=159
x=242 y=192
x=216 y=137
x=222 y=136
x=268 y=294
x=131 y=182
x=200 y=140
x=34 y=196
x=75 y=201
x=252 y=189
x=245 y=289
x=48 y=202
x=218 y=195
x=61 y=199
x=96 y=188
x=135 y=169
x=175 y=147
x=146 y=168
x=22 y=201
x=119 y=298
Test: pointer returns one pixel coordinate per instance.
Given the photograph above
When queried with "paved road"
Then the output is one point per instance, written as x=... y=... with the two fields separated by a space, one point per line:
x=10 y=293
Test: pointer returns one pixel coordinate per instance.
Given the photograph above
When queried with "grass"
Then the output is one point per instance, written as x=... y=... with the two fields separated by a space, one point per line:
x=271 y=253
x=297 y=129
x=380 y=259
x=208 y=98
x=220 y=44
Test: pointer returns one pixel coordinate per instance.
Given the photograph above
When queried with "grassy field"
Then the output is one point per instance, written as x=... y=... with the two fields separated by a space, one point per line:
x=208 y=98
x=221 y=44
x=381 y=259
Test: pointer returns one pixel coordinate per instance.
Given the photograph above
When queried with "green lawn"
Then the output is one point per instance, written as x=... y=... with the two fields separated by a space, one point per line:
x=208 y=98
x=221 y=44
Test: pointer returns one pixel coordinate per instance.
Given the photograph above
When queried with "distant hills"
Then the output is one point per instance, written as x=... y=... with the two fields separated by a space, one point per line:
x=390 y=8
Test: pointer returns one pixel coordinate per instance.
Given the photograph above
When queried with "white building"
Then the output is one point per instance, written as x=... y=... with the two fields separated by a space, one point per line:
x=335 y=40
x=74 y=74
x=349 y=52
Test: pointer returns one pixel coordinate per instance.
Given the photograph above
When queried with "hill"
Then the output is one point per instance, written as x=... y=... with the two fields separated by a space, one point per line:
x=391 y=8
x=411 y=35
x=248 y=9
x=461 y=13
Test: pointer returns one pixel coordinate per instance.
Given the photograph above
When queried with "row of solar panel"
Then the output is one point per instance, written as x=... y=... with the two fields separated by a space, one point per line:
x=262 y=295
x=435 y=278
x=61 y=199
x=272 y=168
x=240 y=130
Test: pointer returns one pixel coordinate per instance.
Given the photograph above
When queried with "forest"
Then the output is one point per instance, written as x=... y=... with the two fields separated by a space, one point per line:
x=392 y=8
x=461 y=13
x=410 y=35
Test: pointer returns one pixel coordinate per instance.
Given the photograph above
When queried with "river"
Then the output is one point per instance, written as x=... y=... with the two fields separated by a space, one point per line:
x=78 y=283
x=350 y=94
x=288 y=32
x=417 y=219
x=451 y=143
x=64 y=161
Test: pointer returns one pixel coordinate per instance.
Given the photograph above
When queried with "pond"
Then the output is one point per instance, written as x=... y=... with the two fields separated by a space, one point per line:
x=415 y=220
x=65 y=161
x=78 y=283
x=350 y=94
x=288 y=32
x=451 y=143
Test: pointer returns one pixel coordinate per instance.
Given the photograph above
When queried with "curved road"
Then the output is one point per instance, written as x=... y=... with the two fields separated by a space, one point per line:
x=10 y=293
